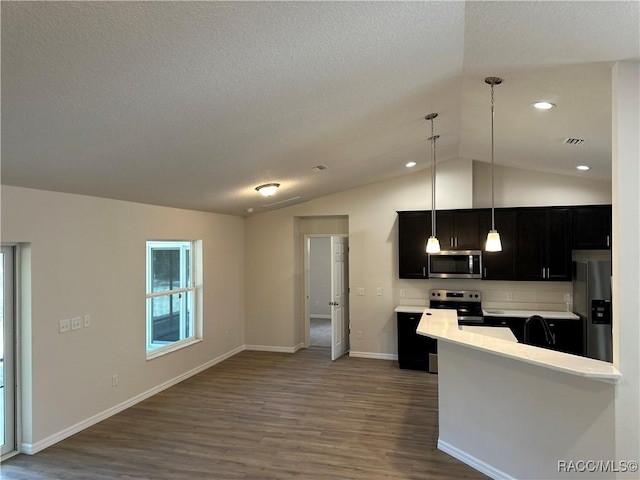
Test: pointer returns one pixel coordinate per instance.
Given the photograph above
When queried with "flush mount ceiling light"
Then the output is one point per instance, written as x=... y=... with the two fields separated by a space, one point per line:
x=493 y=237
x=543 y=105
x=410 y=164
x=268 y=189
x=433 y=245
x=583 y=167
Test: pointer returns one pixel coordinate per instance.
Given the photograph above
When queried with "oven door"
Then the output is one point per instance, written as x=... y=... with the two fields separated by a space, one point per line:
x=456 y=264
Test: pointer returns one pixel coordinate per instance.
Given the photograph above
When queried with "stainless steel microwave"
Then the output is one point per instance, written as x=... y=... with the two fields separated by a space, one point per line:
x=455 y=264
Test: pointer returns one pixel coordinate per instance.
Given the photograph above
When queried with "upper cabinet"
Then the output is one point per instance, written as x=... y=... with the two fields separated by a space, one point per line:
x=544 y=244
x=501 y=265
x=591 y=227
x=458 y=229
x=413 y=230
x=536 y=241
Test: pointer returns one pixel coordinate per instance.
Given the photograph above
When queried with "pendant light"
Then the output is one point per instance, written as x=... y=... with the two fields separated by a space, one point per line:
x=493 y=237
x=433 y=245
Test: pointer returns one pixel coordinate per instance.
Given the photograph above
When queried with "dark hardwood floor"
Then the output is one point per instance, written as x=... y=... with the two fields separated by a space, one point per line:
x=262 y=415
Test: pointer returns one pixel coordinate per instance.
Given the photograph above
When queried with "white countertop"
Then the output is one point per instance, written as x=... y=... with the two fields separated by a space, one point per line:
x=443 y=325
x=549 y=315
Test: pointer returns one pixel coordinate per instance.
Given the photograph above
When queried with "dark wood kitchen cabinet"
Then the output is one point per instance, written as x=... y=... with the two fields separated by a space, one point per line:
x=458 y=229
x=413 y=349
x=568 y=336
x=591 y=227
x=414 y=228
x=544 y=244
x=501 y=265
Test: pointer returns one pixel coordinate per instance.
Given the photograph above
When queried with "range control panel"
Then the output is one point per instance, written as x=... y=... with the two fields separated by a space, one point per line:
x=456 y=295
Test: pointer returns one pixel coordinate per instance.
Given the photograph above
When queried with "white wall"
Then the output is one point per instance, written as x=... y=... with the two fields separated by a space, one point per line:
x=515 y=189
x=86 y=255
x=320 y=276
x=274 y=309
x=626 y=259
x=519 y=419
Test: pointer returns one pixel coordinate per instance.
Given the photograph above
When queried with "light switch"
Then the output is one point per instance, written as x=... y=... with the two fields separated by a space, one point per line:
x=87 y=321
x=360 y=290
x=378 y=291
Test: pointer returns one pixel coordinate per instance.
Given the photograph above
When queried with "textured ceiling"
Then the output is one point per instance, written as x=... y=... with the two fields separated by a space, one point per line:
x=193 y=104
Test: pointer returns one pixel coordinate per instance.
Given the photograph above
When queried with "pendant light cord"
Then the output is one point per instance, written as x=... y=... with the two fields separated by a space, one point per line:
x=433 y=181
x=493 y=217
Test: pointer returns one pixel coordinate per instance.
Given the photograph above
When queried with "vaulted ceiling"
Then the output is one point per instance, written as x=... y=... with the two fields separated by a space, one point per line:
x=194 y=104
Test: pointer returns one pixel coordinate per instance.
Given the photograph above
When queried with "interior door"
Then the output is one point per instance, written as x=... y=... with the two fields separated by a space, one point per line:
x=339 y=297
x=7 y=357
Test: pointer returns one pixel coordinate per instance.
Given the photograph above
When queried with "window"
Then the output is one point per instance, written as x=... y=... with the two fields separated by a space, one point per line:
x=171 y=296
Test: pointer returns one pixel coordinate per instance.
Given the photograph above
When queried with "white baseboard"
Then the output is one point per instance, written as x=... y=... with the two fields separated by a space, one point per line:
x=313 y=315
x=376 y=356
x=31 y=449
x=271 y=348
x=473 y=462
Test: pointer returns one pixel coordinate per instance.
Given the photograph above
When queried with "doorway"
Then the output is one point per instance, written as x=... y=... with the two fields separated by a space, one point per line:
x=7 y=352
x=327 y=296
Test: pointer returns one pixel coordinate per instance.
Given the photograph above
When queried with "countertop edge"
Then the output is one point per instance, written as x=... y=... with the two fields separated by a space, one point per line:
x=443 y=325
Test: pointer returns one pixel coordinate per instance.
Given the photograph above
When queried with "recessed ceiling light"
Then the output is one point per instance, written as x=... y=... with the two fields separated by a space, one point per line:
x=543 y=105
x=583 y=167
x=268 y=189
x=410 y=164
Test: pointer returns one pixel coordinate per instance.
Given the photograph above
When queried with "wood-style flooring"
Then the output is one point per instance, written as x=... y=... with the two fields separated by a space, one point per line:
x=261 y=415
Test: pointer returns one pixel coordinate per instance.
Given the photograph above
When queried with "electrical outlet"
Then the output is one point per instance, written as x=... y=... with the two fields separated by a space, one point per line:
x=403 y=292
x=359 y=334
x=509 y=296
x=76 y=323
x=378 y=291
x=87 y=321
x=360 y=290
x=65 y=325
x=115 y=380
x=567 y=298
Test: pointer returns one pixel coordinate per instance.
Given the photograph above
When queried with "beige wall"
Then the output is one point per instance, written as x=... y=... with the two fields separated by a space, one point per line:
x=87 y=256
x=274 y=309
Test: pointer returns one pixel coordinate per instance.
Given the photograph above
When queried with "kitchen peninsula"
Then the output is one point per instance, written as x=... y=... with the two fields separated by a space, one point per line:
x=488 y=389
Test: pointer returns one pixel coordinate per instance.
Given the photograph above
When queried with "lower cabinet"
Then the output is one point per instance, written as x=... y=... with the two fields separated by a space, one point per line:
x=568 y=333
x=414 y=349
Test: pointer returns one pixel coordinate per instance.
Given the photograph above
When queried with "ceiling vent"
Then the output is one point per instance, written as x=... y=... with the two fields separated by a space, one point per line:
x=292 y=199
x=319 y=168
x=574 y=141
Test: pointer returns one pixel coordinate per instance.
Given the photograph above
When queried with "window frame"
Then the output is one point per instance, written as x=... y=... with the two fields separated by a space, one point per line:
x=193 y=289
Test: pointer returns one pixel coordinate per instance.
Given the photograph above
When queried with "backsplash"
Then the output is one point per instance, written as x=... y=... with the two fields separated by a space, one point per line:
x=545 y=296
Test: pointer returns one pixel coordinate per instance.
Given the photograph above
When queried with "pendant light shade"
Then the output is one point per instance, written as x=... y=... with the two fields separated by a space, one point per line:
x=433 y=245
x=493 y=237
x=493 y=242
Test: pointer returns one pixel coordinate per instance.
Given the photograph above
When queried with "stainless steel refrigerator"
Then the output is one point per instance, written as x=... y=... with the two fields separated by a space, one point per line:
x=592 y=302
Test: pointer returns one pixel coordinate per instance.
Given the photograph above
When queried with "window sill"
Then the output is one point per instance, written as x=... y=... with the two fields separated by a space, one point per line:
x=159 y=352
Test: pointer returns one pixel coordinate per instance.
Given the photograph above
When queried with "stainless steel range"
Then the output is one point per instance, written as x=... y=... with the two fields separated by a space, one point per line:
x=468 y=303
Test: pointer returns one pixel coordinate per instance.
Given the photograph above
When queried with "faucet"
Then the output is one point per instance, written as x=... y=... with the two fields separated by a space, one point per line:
x=548 y=335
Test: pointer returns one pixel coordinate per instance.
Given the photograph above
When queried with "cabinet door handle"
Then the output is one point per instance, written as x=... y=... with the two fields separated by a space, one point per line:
x=485 y=272
x=456 y=241
x=424 y=271
x=608 y=240
x=543 y=269
x=451 y=241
